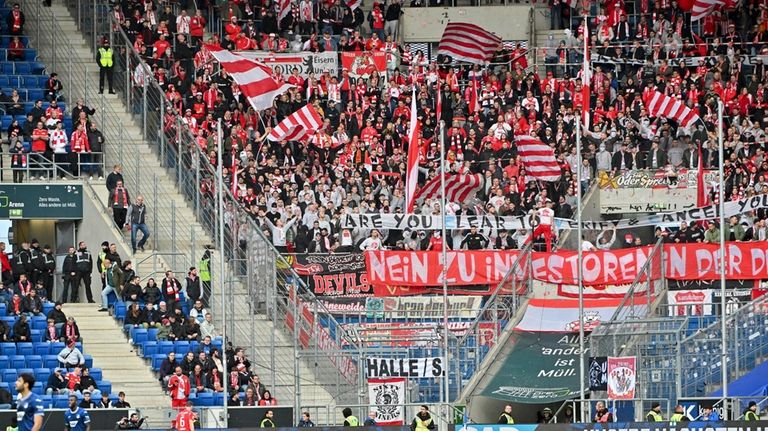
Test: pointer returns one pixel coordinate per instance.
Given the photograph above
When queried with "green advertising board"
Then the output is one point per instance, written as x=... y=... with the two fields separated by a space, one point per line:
x=536 y=368
x=41 y=201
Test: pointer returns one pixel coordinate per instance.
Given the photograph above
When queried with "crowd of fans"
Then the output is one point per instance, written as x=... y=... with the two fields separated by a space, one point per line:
x=298 y=191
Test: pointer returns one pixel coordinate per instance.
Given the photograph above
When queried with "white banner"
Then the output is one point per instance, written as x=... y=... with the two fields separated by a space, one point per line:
x=306 y=62
x=430 y=222
x=387 y=397
x=690 y=302
x=562 y=315
x=431 y=307
x=413 y=368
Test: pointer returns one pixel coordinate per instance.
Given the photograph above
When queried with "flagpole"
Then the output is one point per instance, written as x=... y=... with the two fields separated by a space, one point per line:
x=580 y=261
x=444 y=252
x=220 y=181
x=721 y=209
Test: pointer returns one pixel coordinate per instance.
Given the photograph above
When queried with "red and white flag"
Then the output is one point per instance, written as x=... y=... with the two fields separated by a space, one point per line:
x=468 y=42
x=458 y=187
x=660 y=105
x=354 y=4
x=438 y=104
x=586 y=79
x=702 y=8
x=412 y=174
x=297 y=126
x=285 y=9
x=474 y=100
x=255 y=79
x=538 y=159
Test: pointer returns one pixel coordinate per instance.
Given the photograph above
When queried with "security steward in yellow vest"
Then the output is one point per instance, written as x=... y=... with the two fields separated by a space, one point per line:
x=679 y=415
x=104 y=58
x=750 y=414
x=654 y=415
x=506 y=416
x=350 y=420
x=204 y=271
x=423 y=420
x=267 y=421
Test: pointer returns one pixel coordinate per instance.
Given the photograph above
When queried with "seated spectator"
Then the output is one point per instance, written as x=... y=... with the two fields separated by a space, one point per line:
x=258 y=388
x=16 y=49
x=150 y=316
x=267 y=400
x=87 y=402
x=87 y=383
x=57 y=383
x=177 y=329
x=121 y=403
x=104 y=402
x=6 y=293
x=250 y=399
x=71 y=357
x=15 y=21
x=5 y=332
x=164 y=331
x=70 y=332
x=133 y=318
x=192 y=329
x=21 y=330
x=198 y=379
x=73 y=379
x=58 y=316
x=188 y=363
x=6 y=400
x=214 y=381
x=234 y=399
x=197 y=311
x=51 y=333
x=53 y=88
x=32 y=304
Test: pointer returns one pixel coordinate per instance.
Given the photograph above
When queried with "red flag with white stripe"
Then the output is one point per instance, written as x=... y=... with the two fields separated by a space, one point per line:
x=285 y=9
x=354 y=4
x=586 y=79
x=468 y=42
x=538 y=159
x=458 y=187
x=412 y=174
x=255 y=79
x=297 y=126
x=660 y=105
x=702 y=8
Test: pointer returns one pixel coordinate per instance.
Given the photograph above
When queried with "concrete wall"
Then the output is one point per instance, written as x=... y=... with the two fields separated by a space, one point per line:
x=427 y=24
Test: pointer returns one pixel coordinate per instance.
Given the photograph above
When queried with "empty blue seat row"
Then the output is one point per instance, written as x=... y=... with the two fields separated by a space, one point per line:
x=23 y=81
x=207 y=399
x=22 y=67
x=29 y=55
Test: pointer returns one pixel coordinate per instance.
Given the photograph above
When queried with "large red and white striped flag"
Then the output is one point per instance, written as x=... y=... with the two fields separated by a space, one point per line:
x=538 y=159
x=285 y=9
x=660 y=105
x=297 y=126
x=412 y=173
x=458 y=187
x=354 y=4
x=702 y=8
x=468 y=42
x=255 y=79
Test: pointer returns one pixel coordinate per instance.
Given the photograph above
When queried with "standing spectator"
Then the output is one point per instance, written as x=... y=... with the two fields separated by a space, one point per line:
x=179 y=388
x=114 y=282
x=19 y=161
x=15 y=21
x=40 y=148
x=104 y=60
x=197 y=27
x=136 y=219
x=167 y=368
x=392 y=17
x=71 y=275
x=171 y=287
x=84 y=262
x=119 y=203
x=114 y=176
x=192 y=291
x=79 y=148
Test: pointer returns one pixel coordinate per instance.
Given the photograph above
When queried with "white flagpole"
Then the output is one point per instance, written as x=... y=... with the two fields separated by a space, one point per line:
x=220 y=181
x=721 y=209
x=444 y=251
x=582 y=386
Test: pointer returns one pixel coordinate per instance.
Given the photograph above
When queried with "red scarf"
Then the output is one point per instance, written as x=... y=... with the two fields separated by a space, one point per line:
x=16 y=20
x=120 y=192
x=17 y=305
x=52 y=334
x=25 y=288
x=16 y=158
x=233 y=379
x=70 y=331
x=170 y=289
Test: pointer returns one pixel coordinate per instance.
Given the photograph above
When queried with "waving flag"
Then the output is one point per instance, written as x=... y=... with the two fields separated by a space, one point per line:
x=458 y=187
x=468 y=42
x=412 y=174
x=702 y=8
x=538 y=159
x=255 y=79
x=586 y=79
x=297 y=126
x=660 y=105
x=285 y=9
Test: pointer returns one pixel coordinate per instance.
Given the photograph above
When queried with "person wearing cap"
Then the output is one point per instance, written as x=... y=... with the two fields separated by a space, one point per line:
x=750 y=414
x=104 y=60
x=545 y=416
x=654 y=415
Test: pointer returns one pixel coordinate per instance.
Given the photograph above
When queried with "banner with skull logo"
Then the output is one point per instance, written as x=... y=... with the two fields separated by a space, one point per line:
x=387 y=397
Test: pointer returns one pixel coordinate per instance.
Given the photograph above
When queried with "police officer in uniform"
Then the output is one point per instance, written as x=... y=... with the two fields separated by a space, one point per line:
x=104 y=60
x=423 y=420
x=71 y=275
x=47 y=268
x=36 y=259
x=22 y=262
x=654 y=415
x=750 y=414
x=506 y=416
x=267 y=422
x=350 y=420
x=84 y=268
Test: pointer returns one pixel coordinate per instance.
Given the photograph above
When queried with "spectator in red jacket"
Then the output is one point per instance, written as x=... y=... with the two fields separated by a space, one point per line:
x=178 y=388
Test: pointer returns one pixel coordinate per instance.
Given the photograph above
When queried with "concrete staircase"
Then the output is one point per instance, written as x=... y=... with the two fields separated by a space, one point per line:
x=177 y=229
x=104 y=340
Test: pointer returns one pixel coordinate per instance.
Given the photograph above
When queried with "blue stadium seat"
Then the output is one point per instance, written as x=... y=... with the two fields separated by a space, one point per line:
x=104 y=386
x=35 y=93
x=39 y=322
x=6 y=386
x=7 y=68
x=34 y=361
x=166 y=347
x=7 y=349
x=26 y=370
x=149 y=349
x=42 y=374
x=204 y=399
x=42 y=348
x=10 y=375
x=38 y=388
x=60 y=401
x=88 y=361
x=194 y=345
x=157 y=360
x=96 y=374
x=18 y=361
x=151 y=332
x=5 y=81
x=218 y=399
x=5 y=362
x=3 y=309
x=120 y=310
x=139 y=335
x=50 y=361
x=47 y=400
x=181 y=347
x=48 y=306
x=30 y=54
x=36 y=335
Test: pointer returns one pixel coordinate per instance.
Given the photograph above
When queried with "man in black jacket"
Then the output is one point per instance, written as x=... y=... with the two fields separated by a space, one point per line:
x=474 y=240
x=22 y=262
x=71 y=275
x=47 y=267
x=32 y=303
x=132 y=291
x=21 y=331
x=5 y=330
x=84 y=267
x=35 y=260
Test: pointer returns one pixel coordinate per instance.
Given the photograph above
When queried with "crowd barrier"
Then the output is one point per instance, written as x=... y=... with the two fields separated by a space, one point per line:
x=622 y=426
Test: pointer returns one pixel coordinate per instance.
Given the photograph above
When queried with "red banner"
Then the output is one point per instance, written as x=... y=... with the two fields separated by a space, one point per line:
x=622 y=378
x=419 y=269
x=362 y=64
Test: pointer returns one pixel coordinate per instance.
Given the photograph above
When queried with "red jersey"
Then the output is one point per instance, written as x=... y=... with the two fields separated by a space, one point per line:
x=185 y=421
